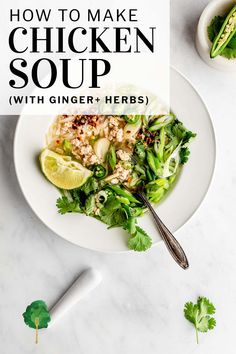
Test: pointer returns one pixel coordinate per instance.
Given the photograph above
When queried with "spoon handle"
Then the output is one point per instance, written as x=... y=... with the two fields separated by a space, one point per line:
x=172 y=244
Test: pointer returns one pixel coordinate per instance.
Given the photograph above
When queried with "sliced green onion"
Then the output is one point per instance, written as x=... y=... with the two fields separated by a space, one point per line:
x=161 y=122
x=168 y=169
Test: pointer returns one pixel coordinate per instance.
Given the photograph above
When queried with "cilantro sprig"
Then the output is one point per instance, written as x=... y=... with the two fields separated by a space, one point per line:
x=199 y=315
x=37 y=316
x=140 y=240
x=65 y=206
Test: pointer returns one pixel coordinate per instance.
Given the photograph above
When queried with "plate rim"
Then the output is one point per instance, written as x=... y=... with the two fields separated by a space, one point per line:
x=158 y=242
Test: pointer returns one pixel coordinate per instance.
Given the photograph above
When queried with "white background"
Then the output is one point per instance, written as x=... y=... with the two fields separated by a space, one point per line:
x=138 y=307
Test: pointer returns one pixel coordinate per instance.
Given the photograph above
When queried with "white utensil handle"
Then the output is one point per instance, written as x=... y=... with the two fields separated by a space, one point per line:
x=85 y=283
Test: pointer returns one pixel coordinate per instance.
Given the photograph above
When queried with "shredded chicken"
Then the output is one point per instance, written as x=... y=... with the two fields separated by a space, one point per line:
x=82 y=131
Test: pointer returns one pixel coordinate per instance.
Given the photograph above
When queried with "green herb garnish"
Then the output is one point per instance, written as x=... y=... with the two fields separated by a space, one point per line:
x=184 y=155
x=150 y=156
x=90 y=186
x=140 y=240
x=66 y=206
x=37 y=316
x=199 y=315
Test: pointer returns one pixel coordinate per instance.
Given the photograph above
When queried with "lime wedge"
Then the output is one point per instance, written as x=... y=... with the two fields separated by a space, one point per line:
x=62 y=171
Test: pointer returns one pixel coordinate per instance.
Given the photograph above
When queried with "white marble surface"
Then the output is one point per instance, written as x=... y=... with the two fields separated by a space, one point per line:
x=138 y=307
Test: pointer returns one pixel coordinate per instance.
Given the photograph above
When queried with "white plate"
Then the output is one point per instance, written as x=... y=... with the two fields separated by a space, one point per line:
x=175 y=210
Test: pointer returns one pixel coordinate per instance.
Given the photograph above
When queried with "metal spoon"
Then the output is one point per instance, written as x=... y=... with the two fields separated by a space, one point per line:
x=172 y=244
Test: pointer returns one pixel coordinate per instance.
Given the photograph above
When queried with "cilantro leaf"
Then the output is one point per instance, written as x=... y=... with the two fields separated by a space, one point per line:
x=199 y=315
x=113 y=214
x=112 y=204
x=90 y=186
x=187 y=137
x=107 y=212
x=179 y=131
x=76 y=195
x=205 y=306
x=37 y=316
x=214 y=27
x=119 y=217
x=229 y=53
x=140 y=241
x=211 y=323
x=65 y=206
x=184 y=155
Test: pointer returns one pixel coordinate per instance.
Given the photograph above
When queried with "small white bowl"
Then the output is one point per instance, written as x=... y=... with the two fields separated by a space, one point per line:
x=203 y=44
